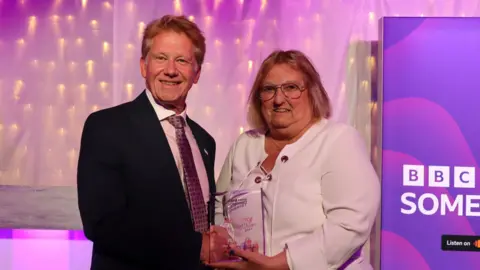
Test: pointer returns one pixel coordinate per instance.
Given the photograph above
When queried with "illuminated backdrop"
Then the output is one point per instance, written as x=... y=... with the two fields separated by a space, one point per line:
x=66 y=59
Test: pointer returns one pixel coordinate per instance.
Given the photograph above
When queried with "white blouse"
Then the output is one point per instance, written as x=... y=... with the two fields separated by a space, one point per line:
x=320 y=199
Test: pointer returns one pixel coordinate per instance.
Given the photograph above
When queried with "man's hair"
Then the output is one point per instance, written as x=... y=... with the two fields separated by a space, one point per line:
x=297 y=60
x=177 y=24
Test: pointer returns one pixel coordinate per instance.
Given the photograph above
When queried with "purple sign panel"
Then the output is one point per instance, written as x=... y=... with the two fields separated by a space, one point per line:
x=430 y=99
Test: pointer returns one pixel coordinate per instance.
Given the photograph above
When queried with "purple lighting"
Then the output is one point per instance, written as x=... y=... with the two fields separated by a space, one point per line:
x=41 y=234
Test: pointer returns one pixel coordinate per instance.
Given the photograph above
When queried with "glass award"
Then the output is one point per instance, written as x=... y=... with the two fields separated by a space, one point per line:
x=244 y=221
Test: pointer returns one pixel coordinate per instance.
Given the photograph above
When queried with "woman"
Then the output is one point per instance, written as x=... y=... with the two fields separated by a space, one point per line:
x=321 y=193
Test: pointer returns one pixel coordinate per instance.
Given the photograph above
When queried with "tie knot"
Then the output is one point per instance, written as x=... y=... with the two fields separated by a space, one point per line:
x=177 y=121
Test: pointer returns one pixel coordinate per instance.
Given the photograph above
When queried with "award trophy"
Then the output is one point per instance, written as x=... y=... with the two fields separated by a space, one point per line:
x=243 y=212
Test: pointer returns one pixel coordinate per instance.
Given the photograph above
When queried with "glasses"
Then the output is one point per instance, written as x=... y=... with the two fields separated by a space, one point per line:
x=290 y=90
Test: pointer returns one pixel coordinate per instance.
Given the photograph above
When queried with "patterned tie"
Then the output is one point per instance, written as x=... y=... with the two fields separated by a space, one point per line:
x=194 y=190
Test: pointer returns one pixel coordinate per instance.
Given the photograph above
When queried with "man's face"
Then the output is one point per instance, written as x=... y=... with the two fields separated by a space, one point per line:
x=170 y=69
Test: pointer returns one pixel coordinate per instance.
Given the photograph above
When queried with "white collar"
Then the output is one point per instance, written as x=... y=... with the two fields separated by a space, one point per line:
x=161 y=111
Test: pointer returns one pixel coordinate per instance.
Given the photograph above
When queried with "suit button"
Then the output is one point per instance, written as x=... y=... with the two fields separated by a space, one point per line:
x=258 y=179
x=284 y=159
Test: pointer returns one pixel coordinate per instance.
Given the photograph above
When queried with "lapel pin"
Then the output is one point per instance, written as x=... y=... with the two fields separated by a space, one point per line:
x=205 y=150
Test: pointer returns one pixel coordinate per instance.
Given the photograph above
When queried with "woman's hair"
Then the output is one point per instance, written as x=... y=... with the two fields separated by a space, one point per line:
x=177 y=24
x=299 y=61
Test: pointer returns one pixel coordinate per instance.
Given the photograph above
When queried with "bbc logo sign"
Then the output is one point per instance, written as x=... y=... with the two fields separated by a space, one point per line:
x=439 y=176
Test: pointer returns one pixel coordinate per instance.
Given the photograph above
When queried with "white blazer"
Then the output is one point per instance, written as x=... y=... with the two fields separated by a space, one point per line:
x=321 y=199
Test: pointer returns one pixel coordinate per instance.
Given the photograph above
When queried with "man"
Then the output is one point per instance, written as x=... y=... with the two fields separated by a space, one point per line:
x=146 y=170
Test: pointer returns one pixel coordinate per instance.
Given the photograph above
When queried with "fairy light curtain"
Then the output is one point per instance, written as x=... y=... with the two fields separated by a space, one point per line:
x=63 y=59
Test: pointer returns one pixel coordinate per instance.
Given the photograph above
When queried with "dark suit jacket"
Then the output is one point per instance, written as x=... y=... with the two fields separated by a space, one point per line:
x=130 y=195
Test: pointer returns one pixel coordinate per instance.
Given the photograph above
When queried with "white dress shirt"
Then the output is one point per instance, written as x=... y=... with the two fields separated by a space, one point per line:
x=169 y=130
x=320 y=199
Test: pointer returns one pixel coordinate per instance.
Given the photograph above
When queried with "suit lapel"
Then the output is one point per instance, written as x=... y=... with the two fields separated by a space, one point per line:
x=154 y=141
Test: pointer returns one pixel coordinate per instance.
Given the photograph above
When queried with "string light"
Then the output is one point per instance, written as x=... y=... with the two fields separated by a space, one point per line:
x=177 y=7
x=129 y=89
x=71 y=84
x=371 y=17
x=371 y=62
x=13 y=127
x=141 y=28
x=72 y=156
x=364 y=85
x=89 y=65
x=61 y=89
x=17 y=89
x=107 y=5
x=54 y=19
x=32 y=25
x=263 y=5
x=61 y=48
x=94 y=24
x=106 y=48
x=83 y=92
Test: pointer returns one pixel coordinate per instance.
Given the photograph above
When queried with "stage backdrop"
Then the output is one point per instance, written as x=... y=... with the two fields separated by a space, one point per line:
x=431 y=143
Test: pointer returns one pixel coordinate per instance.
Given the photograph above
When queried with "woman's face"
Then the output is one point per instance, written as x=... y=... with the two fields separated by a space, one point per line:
x=287 y=109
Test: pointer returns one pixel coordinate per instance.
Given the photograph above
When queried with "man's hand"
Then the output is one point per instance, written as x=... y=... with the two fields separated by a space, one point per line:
x=214 y=246
x=220 y=231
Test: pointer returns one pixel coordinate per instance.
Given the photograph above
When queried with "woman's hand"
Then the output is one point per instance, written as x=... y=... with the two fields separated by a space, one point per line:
x=252 y=260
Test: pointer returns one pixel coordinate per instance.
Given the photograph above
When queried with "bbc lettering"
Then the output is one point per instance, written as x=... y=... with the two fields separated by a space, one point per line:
x=444 y=177
x=439 y=176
